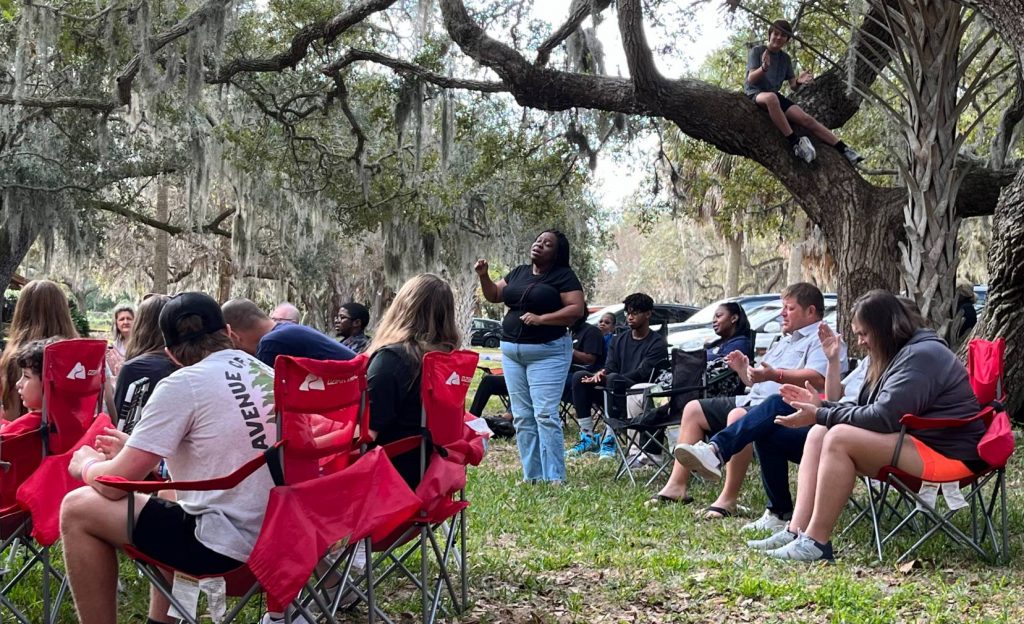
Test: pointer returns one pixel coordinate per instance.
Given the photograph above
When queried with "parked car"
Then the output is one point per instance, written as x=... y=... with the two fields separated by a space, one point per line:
x=485 y=332
x=705 y=316
x=669 y=313
x=765 y=318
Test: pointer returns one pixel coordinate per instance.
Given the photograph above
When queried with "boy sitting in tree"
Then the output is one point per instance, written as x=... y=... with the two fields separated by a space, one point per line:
x=767 y=68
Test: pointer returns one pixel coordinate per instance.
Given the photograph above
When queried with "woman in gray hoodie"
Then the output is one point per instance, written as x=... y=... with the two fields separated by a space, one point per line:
x=912 y=371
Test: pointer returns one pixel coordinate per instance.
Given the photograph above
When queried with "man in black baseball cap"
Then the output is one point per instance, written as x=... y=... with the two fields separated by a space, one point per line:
x=205 y=420
x=208 y=318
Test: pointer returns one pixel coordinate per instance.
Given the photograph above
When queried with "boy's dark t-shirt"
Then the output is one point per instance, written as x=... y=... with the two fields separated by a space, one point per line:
x=540 y=294
x=155 y=366
x=780 y=69
x=588 y=339
x=636 y=359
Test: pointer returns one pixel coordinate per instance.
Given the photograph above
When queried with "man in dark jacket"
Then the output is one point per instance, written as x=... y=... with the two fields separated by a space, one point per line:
x=632 y=356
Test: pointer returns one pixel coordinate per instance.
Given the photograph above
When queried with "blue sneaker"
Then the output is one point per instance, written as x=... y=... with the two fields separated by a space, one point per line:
x=588 y=444
x=608 y=447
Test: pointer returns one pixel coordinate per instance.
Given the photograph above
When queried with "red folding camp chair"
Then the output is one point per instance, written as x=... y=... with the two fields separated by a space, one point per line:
x=984 y=490
x=318 y=405
x=451 y=447
x=34 y=478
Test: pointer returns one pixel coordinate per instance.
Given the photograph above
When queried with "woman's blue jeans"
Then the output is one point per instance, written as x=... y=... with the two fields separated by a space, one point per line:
x=535 y=375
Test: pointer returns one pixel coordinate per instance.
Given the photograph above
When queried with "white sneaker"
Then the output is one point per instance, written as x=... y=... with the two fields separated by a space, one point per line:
x=701 y=458
x=642 y=460
x=803 y=548
x=767 y=522
x=852 y=155
x=776 y=540
x=804 y=150
x=297 y=618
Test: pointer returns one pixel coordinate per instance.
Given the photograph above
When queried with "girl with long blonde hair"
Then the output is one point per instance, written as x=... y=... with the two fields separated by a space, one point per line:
x=421 y=319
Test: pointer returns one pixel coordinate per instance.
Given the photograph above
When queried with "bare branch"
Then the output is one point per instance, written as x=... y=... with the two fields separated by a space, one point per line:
x=578 y=11
x=189 y=23
x=120 y=209
x=327 y=30
x=405 y=67
x=83 y=103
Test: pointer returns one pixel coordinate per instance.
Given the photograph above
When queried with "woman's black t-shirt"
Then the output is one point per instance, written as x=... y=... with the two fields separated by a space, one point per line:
x=540 y=294
x=393 y=383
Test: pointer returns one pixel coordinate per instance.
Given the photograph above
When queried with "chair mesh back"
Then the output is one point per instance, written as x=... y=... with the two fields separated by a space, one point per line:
x=985 y=369
x=318 y=404
x=445 y=382
x=74 y=373
x=687 y=371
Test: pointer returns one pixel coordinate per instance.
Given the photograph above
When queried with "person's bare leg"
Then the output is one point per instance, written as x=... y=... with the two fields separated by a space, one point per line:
x=845 y=452
x=770 y=102
x=91 y=528
x=735 y=469
x=797 y=116
x=692 y=427
x=807 y=479
x=158 y=603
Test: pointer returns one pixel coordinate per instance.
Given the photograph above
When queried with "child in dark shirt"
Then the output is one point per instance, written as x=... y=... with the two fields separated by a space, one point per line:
x=767 y=68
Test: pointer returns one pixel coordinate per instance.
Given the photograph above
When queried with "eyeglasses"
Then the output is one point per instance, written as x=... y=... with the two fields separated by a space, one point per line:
x=339 y=317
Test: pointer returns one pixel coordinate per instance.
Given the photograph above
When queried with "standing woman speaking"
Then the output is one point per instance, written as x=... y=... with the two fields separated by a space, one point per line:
x=544 y=299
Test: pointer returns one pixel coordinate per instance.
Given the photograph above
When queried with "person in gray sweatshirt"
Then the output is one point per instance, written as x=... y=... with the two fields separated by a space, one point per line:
x=912 y=371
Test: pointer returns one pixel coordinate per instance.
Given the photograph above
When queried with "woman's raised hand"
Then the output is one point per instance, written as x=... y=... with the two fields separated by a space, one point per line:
x=480 y=267
x=831 y=343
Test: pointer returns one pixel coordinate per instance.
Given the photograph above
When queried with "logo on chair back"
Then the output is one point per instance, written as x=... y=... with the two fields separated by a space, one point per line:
x=77 y=372
x=312 y=382
x=453 y=379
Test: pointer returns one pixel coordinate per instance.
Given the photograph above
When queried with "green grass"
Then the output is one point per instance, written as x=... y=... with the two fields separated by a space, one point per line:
x=591 y=551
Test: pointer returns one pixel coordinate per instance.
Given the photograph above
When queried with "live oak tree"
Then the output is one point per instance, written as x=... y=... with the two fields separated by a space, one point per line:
x=861 y=221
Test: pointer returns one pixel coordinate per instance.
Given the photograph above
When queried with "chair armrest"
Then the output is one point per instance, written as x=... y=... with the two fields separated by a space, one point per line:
x=674 y=391
x=393 y=449
x=911 y=421
x=221 y=483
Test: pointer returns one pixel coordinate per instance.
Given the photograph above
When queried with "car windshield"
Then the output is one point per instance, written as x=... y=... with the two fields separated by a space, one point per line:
x=763 y=315
x=706 y=315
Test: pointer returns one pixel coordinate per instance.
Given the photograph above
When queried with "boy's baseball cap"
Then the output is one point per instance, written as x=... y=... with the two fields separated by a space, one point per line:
x=189 y=304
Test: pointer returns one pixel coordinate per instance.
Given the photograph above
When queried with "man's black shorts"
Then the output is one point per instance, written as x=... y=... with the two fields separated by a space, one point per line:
x=716 y=411
x=784 y=101
x=166 y=533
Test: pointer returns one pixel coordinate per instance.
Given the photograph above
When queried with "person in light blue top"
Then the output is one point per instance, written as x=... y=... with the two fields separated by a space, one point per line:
x=733 y=330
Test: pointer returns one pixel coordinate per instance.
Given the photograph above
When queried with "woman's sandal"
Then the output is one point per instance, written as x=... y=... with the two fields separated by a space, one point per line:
x=661 y=499
x=716 y=513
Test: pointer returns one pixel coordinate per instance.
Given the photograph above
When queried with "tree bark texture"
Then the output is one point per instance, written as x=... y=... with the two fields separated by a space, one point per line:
x=161 y=242
x=734 y=245
x=1004 y=310
x=929 y=35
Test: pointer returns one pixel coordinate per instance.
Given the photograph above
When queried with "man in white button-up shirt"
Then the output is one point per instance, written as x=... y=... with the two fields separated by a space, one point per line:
x=795 y=359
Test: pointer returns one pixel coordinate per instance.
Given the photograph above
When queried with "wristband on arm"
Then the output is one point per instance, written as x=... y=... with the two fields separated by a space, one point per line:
x=85 y=468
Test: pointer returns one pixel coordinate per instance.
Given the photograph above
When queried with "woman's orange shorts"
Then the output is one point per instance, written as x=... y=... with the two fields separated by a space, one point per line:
x=938 y=467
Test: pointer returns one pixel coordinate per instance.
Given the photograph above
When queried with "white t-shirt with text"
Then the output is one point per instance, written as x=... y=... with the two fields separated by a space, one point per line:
x=207 y=420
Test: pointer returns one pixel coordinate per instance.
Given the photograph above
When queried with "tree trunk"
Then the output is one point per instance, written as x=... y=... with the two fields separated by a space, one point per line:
x=795 y=270
x=162 y=242
x=1004 y=311
x=931 y=41
x=225 y=271
x=863 y=238
x=734 y=243
x=13 y=251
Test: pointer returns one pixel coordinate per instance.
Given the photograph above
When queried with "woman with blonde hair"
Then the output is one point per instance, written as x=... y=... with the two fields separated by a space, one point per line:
x=42 y=312
x=121 y=329
x=421 y=319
